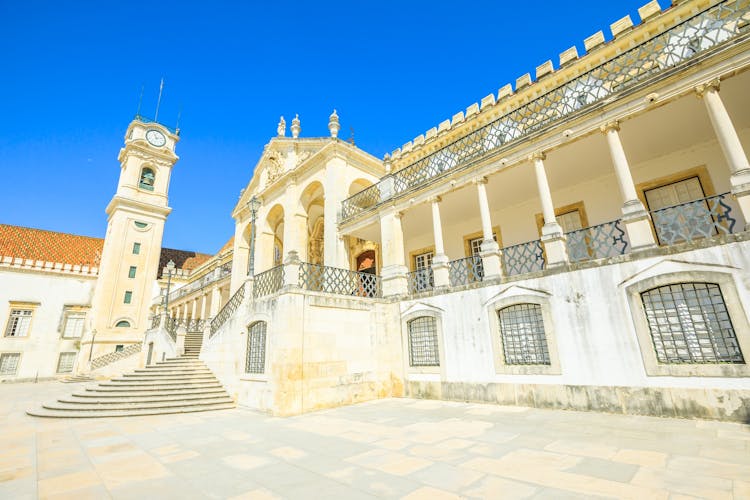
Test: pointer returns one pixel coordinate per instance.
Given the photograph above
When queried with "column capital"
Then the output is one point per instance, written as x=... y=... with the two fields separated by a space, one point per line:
x=479 y=180
x=711 y=85
x=538 y=155
x=613 y=125
x=434 y=199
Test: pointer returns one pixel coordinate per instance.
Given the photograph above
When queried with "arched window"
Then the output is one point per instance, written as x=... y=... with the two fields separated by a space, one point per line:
x=123 y=324
x=522 y=334
x=147 y=179
x=423 y=342
x=256 y=348
x=689 y=323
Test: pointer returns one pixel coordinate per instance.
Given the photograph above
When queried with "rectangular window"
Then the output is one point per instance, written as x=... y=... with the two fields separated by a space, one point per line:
x=65 y=362
x=256 y=348
x=73 y=327
x=679 y=212
x=119 y=347
x=475 y=244
x=131 y=272
x=423 y=260
x=423 y=342
x=128 y=297
x=523 y=337
x=570 y=221
x=9 y=363
x=136 y=248
x=18 y=323
x=674 y=194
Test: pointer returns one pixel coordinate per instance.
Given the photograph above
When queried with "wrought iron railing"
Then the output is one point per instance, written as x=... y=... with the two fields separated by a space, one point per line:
x=112 y=357
x=693 y=220
x=420 y=280
x=319 y=278
x=523 y=258
x=268 y=282
x=648 y=61
x=155 y=321
x=171 y=326
x=465 y=271
x=597 y=242
x=195 y=325
x=228 y=309
x=216 y=274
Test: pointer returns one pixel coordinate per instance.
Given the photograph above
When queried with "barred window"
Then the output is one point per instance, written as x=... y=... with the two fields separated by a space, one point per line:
x=18 y=323
x=9 y=363
x=73 y=324
x=256 y=348
x=689 y=323
x=522 y=332
x=65 y=362
x=423 y=342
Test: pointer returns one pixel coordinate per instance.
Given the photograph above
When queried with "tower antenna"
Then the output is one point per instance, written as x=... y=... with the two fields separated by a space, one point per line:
x=158 y=102
x=140 y=100
x=177 y=125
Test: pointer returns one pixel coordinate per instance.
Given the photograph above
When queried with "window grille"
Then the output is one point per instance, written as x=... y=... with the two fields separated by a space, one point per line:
x=73 y=325
x=256 y=348
x=423 y=342
x=689 y=323
x=65 y=362
x=18 y=323
x=9 y=363
x=522 y=332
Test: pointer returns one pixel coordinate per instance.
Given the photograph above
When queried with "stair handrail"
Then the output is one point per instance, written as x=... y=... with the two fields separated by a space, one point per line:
x=111 y=357
x=228 y=309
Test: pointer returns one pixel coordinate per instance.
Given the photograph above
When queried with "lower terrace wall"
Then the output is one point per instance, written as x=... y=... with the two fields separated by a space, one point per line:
x=593 y=340
x=322 y=351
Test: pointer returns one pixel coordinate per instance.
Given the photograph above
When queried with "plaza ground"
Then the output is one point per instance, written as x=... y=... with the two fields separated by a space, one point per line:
x=389 y=448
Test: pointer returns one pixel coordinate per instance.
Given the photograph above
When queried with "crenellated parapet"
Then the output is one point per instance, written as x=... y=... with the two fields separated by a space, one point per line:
x=44 y=266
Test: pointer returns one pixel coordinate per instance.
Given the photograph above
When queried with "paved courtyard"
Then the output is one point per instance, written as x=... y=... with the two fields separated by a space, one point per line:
x=395 y=448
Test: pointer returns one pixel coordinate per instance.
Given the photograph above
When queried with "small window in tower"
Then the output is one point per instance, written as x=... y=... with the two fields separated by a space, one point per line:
x=122 y=324
x=136 y=248
x=140 y=225
x=128 y=297
x=131 y=272
x=119 y=347
x=147 y=179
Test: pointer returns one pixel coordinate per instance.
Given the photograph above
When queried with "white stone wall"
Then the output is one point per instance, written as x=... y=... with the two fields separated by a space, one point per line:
x=52 y=291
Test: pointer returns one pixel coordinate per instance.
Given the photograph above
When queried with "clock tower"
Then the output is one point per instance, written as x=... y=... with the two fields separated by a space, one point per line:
x=132 y=245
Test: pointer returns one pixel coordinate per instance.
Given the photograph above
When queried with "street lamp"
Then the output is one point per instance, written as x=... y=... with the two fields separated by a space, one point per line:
x=170 y=269
x=253 y=205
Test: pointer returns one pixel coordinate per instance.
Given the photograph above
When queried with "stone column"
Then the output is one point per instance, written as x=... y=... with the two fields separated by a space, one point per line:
x=193 y=308
x=440 y=267
x=730 y=144
x=393 y=270
x=553 y=238
x=490 y=251
x=291 y=270
x=240 y=253
x=634 y=215
x=334 y=249
x=295 y=223
x=215 y=301
x=204 y=306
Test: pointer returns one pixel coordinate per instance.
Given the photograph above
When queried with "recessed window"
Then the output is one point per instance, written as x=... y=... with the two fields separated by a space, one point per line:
x=423 y=342
x=147 y=179
x=128 y=297
x=522 y=334
x=122 y=324
x=65 y=362
x=131 y=272
x=18 y=323
x=689 y=323
x=136 y=248
x=140 y=225
x=475 y=244
x=73 y=327
x=119 y=348
x=256 y=348
x=9 y=363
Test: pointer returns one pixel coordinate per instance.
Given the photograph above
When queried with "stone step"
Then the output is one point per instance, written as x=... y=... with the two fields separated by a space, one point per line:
x=116 y=391
x=138 y=394
x=166 y=375
x=156 y=384
x=182 y=362
x=43 y=412
x=173 y=369
x=136 y=405
x=157 y=398
x=166 y=380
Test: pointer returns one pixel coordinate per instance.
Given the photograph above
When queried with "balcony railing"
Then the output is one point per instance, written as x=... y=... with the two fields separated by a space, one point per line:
x=523 y=258
x=171 y=326
x=319 y=278
x=646 y=62
x=694 y=220
x=465 y=271
x=420 y=280
x=227 y=310
x=212 y=276
x=268 y=282
x=597 y=242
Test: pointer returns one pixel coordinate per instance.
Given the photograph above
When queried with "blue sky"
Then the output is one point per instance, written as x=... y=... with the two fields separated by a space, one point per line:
x=71 y=74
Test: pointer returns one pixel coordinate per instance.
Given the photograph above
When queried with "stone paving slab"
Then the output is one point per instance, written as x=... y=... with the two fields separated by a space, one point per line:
x=392 y=448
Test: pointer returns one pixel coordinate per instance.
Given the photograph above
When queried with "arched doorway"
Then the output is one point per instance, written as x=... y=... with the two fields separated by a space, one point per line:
x=366 y=262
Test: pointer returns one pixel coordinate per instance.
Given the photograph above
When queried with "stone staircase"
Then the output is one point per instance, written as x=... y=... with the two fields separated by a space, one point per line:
x=175 y=385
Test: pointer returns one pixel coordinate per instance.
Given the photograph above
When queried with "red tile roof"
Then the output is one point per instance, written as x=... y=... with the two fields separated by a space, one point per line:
x=51 y=246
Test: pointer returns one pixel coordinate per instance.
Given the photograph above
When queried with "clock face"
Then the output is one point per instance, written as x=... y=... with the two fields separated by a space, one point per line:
x=156 y=138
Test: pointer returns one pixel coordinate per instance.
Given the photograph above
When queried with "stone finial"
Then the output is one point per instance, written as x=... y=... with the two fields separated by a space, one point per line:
x=387 y=163
x=295 y=127
x=333 y=124
x=281 y=127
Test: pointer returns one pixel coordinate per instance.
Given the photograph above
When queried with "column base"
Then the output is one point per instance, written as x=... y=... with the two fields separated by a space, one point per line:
x=740 y=182
x=637 y=223
x=492 y=260
x=393 y=279
x=441 y=271
x=555 y=248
